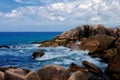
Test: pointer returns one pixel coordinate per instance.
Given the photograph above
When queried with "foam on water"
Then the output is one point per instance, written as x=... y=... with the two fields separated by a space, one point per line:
x=21 y=56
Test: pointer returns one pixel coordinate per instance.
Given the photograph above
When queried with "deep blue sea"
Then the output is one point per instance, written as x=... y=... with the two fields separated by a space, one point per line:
x=20 y=52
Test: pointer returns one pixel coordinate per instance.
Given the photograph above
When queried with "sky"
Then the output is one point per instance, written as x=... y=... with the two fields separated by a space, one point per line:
x=57 y=15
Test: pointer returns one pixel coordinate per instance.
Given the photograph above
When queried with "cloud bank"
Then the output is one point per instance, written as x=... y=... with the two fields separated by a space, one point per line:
x=65 y=13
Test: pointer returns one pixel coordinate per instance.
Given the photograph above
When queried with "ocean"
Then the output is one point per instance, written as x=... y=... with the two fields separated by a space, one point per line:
x=20 y=52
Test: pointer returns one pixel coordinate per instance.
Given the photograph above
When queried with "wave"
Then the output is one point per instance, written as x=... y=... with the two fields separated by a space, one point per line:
x=21 y=56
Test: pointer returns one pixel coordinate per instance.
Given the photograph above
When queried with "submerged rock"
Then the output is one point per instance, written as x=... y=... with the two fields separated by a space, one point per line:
x=37 y=54
x=4 y=46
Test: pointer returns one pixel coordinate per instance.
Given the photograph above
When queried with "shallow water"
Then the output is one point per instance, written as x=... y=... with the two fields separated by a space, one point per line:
x=21 y=56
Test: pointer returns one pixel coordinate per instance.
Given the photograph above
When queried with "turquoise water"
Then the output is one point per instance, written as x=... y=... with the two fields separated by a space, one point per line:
x=20 y=52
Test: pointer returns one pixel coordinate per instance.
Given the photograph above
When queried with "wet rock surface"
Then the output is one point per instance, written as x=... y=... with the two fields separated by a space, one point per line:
x=37 y=54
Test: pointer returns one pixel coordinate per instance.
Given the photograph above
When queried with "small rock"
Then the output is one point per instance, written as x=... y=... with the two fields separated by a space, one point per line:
x=92 y=68
x=73 y=68
x=37 y=54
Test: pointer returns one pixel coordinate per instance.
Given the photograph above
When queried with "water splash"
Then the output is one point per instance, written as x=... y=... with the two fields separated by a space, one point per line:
x=20 y=56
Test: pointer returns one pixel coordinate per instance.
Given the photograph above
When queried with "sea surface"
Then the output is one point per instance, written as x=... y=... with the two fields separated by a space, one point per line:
x=20 y=52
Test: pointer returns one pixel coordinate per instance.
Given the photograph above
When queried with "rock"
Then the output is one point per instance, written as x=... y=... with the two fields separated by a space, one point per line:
x=117 y=44
x=55 y=71
x=15 y=74
x=37 y=54
x=78 y=75
x=3 y=69
x=64 y=74
x=32 y=76
x=108 y=54
x=4 y=46
x=113 y=68
x=92 y=68
x=49 y=73
x=97 y=43
x=2 y=76
x=91 y=45
x=46 y=44
x=73 y=68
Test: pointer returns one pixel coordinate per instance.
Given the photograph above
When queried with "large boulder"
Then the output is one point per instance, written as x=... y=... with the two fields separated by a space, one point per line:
x=37 y=54
x=113 y=68
x=53 y=73
x=92 y=68
x=64 y=74
x=108 y=54
x=97 y=43
x=2 y=76
x=15 y=74
x=32 y=76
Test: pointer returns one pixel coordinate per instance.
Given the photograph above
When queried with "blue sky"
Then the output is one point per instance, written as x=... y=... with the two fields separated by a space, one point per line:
x=57 y=15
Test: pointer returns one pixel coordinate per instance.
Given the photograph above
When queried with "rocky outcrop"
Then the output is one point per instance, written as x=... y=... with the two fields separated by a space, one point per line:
x=37 y=54
x=69 y=38
x=51 y=72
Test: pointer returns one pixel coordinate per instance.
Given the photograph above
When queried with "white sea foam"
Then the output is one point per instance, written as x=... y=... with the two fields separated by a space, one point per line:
x=53 y=55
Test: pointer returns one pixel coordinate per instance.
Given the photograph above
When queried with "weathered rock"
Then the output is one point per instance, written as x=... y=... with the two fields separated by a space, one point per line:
x=64 y=74
x=54 y=72
x=73 y=68
x=32 y=76
x=78 y=75
x=2 y=76
x=37 y=54
x=46 y=44
x=49 y=73
x=3 y=69
x=15 y=74
x=113 y=69
x=108 y=54
x=92 y=68
x=97 y=43
x=4 y=46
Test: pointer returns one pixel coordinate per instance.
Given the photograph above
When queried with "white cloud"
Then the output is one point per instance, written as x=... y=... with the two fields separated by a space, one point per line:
x=14 y=13
x=26 y=1
x=96 y=18
x=75 y=12
x=1 y=14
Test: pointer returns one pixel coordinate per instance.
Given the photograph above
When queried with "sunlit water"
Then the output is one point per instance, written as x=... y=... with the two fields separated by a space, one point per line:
x=21 y=56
